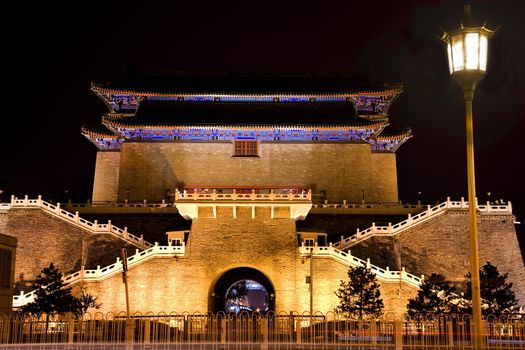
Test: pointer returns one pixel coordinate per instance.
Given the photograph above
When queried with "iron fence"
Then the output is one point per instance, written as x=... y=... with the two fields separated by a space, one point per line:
x=255 y=331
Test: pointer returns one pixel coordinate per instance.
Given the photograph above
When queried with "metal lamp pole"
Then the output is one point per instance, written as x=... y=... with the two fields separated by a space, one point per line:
x=473 y=228
x=467 y=49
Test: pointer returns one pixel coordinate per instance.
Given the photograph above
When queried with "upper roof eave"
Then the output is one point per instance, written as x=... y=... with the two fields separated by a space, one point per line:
x=106 y=88
x=119 y=124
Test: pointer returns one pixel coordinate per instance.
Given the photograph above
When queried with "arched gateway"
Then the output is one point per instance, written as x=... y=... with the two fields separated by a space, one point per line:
x=242 y=288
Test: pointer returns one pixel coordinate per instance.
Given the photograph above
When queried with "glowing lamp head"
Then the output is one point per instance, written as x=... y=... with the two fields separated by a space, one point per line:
x=467 y=46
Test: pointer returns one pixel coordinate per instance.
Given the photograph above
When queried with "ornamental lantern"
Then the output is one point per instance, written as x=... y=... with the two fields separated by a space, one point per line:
x=467 y=49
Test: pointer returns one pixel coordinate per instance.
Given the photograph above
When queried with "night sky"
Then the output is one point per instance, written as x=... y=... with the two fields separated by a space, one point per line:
x=53 y=50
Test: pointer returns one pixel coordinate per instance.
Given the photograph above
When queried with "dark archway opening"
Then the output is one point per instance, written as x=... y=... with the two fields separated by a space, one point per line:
x=242 y=289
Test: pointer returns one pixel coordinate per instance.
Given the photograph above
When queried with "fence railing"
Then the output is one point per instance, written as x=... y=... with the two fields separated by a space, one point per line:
x=260 y=331
x=424 y=216
x=75 y=219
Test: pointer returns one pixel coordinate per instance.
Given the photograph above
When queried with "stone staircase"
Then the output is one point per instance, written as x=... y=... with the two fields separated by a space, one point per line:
x=76 y=220
x=348 y=259
x=429 y=214
x=100 y=274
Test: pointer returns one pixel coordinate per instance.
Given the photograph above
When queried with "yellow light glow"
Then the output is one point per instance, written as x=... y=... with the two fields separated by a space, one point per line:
x=472 y=50
x=450 y=64
x=483 y=50
x=457 y=52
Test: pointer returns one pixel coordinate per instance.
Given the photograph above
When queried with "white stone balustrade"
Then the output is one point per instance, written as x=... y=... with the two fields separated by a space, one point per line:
x=420 y=218
x=100 y=274
x=234 y=196
x=348 y=259
x=75 y=219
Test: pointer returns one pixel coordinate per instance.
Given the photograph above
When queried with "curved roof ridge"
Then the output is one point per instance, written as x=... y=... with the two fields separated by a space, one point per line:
x=94 y=133
x=147 y=92
x=247 y=126
x=397 y=135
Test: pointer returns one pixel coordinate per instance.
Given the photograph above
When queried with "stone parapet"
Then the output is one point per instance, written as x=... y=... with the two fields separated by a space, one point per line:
x=252 y=205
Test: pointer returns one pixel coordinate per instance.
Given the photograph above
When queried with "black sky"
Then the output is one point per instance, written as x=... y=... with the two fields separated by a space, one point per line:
x=53 y=50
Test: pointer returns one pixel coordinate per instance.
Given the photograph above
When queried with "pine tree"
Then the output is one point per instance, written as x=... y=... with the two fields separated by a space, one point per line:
x=360 y=297
x=51 y=296
x=85 y=302
x=436 y=295
x=497 y=296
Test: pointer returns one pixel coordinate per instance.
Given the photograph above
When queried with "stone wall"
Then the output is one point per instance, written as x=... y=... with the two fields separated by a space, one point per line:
x=216 y=246
x=7 y=272
x=43 y=238
x=105 y=183
x=328 y=275
x=270 y=246
x=442 y=246
x=384 y=177
x=185 y=283
x=341 y=170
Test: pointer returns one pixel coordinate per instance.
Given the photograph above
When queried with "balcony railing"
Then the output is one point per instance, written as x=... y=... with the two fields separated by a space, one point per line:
x=234 y=195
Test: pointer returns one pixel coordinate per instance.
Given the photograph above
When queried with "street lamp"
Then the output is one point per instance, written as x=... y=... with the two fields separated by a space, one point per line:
x=467 y=49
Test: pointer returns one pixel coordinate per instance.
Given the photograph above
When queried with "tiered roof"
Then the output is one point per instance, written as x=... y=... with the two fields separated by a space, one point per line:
x=229 y=107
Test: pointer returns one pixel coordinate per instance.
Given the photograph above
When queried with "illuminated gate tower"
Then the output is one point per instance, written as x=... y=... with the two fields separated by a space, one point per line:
x=293 y=132
x=244 y=157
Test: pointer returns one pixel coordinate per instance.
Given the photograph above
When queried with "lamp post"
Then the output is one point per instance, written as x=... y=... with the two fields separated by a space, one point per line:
x=467 y=49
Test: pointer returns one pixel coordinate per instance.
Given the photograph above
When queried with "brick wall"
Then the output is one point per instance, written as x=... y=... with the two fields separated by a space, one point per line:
x=384 y=177
x=43 y=239
x=7 y=272
x=342 y=170
x=185 y=284
x=442 y=246
x=328 y=275
x=105 y=183
x=216 y=246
